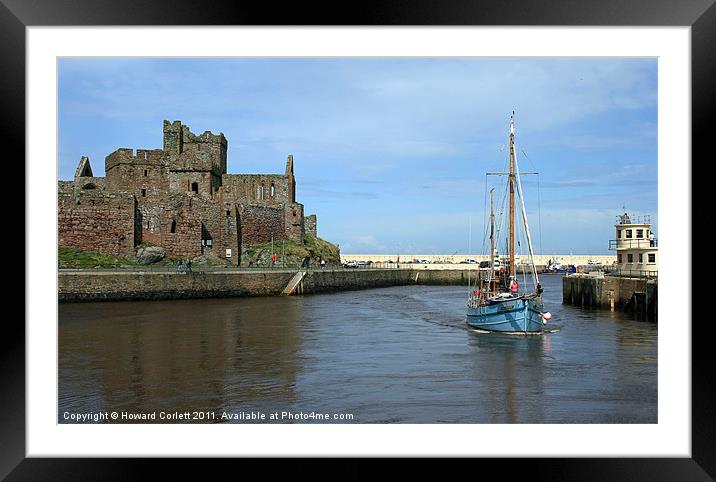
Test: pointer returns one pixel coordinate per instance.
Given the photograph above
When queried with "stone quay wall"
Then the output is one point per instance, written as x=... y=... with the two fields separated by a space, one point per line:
x=113 y=285
x=639 y=295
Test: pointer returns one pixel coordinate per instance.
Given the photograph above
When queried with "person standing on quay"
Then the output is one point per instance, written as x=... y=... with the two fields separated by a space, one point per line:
x=180 y=266
x=188 y=265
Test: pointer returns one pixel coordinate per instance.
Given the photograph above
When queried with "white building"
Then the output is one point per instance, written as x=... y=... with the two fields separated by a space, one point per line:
x=636 y=245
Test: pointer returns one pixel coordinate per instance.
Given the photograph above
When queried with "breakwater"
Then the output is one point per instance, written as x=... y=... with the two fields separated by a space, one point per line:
x=88 y=285
x=636 y=295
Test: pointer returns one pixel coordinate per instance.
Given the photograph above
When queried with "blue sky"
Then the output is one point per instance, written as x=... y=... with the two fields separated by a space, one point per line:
x=391 y=154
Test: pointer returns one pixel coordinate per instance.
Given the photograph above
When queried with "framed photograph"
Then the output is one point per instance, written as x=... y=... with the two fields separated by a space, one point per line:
x=309 y=236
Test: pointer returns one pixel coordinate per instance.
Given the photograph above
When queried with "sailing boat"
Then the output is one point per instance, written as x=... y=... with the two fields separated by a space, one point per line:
x=490 y=307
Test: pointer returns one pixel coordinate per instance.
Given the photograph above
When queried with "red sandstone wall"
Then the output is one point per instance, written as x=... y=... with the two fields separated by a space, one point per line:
x=96 y=221
x=196 y=218
x=259 y=223
x=294 y=222
x=247 y=187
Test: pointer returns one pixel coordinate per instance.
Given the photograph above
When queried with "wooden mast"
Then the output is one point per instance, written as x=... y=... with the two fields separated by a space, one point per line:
x=492 y=229
x=512 y=194
x=492 y=240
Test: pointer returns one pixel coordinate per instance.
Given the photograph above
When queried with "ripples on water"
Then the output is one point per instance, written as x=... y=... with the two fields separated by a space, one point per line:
x=400 y=354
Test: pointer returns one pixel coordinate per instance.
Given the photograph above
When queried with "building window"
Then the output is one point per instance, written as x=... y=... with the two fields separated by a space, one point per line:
x=273 y=190
x=641 y=257
x=144 y=193
x=146 y=173
x=619 y=259
x=619 y=233
x=639 y=234
x=630 y=258
x=174 y=226
x=195 y=187
x=228 y=213
x=628 y=233
x=652 y=258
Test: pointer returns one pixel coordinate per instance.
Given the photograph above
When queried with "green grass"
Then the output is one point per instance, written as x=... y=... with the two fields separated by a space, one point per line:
x=315 y=248
x=259 y=255
x=77 y=258
x=322 y=249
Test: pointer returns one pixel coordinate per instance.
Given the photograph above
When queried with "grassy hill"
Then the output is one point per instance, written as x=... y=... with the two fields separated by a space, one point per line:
x=292 y=254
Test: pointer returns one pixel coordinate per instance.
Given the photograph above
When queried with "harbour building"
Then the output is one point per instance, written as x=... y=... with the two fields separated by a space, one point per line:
x=636 y=245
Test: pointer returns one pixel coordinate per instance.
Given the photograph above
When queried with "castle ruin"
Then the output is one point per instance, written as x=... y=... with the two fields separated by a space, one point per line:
x=181 y=198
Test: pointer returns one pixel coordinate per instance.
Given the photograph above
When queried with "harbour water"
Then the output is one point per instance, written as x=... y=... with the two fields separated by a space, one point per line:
x=391 y=355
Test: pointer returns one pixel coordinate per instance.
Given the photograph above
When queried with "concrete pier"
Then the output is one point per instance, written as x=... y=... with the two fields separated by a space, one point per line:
x=636 y=295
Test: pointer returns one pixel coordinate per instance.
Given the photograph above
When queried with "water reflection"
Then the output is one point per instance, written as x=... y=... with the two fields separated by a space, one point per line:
x=510 y=368
x=178 y=356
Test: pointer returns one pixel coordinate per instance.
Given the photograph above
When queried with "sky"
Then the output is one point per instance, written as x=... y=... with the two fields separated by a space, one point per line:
x=391 y=153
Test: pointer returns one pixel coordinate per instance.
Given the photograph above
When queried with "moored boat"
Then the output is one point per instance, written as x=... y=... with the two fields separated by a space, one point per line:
x=495 y=304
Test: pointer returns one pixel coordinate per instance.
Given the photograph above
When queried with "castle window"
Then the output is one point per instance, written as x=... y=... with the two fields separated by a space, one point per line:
x=228 y=213
x=144 y=193
x=174 y=226
x=195 y=187
x=273 y=190
x=146 y=173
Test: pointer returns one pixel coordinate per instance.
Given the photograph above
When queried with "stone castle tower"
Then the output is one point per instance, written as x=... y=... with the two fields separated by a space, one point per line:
x=181 y=198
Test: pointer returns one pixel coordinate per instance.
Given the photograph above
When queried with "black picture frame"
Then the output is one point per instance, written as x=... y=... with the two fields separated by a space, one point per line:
x=700 y=15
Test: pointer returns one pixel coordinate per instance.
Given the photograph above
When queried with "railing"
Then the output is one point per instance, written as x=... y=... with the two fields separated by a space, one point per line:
x=631 y=273
x=627 y=219
x=633 y=243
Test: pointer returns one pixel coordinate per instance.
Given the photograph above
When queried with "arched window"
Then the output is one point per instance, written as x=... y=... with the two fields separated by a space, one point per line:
x=273 y=190
x=174 y=226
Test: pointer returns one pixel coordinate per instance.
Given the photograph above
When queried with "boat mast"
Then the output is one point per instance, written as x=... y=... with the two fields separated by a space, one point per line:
x=492 y=233
x=512 y=194
x=492 y=228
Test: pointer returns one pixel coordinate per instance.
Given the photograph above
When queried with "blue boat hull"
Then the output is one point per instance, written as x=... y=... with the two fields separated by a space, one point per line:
x=518 y=315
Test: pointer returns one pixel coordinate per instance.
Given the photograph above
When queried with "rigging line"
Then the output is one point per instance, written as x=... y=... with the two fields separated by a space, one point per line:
x=469 y=249
x=524 y=217
x=539 y=216
x=502 y=217
x=484 y=216
x=539 y=199
x=522 y=239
